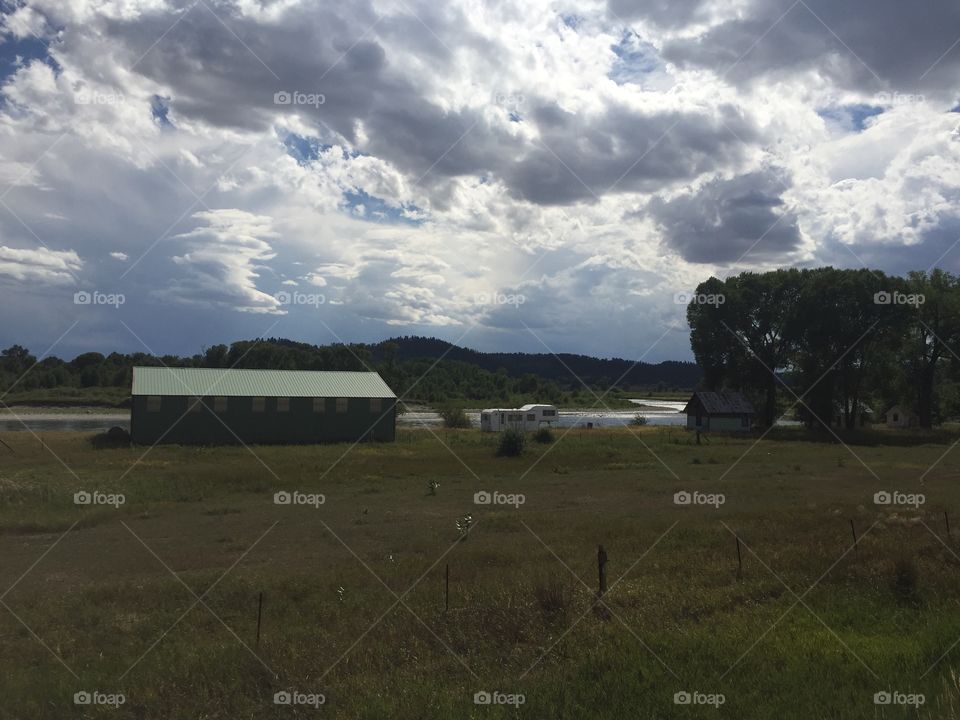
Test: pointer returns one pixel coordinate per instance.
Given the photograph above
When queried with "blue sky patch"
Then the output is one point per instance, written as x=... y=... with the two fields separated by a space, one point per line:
x=850 y=117
x=369 y=207
x=16 y=53
x=636 y=60
x=304 y=150
x=160 y=109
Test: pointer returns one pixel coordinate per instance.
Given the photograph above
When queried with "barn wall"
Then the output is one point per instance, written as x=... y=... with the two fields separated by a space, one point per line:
x=173 y=424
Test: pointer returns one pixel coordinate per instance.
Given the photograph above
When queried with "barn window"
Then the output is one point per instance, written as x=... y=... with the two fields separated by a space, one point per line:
x=153 y=403
x=194 y=404
x=283 y=404
x=259 y=404
x=375 y=405
x=220 y=404
x=342 y=404
x=319 y=405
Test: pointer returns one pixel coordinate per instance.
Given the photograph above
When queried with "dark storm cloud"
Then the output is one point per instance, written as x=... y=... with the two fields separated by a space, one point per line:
x=666 y=13
x=581 y=158
x=728 y=218
x=866 y=45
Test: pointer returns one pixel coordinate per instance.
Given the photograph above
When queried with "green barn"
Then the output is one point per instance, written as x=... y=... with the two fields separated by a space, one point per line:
x=211 y=406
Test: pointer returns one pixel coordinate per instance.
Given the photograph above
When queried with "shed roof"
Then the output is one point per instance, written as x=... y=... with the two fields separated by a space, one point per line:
x=722 y=403
x=267 y=383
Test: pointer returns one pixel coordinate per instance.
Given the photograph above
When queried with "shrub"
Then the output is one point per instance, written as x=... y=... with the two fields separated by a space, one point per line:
x=511 y=443
x=638 y=420
x=454 y=418
x=905 y=580
x=543 y=435
x=553 y=597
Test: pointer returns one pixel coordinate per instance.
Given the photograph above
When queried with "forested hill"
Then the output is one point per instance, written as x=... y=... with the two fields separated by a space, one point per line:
x=558 y=368
x=418 y=369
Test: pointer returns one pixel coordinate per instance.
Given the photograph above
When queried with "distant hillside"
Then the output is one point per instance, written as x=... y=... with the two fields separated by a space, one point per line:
x=420 y=370
x=559 y=368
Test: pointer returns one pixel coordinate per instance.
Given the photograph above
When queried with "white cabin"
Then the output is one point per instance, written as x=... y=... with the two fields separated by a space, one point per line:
x=526 y=418
x=900 y=416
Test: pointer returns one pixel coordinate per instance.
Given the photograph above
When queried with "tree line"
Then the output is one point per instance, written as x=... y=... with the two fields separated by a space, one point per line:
x=831 y=342
x=415 y=366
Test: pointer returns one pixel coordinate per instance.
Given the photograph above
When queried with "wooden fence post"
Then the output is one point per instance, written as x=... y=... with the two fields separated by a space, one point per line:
x=602 y=568
x=446 y=602
x=739 y=560
x=259 y=617
x=853 y=531
x=947 y=520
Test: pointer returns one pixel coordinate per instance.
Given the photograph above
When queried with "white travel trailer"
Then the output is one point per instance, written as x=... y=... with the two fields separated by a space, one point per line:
x=528 y=417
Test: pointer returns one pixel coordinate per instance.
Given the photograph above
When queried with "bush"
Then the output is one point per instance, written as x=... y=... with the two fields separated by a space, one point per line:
x=554 y=598
x=454 y=418
x=511 y=443
x=543 y=435
x=905 y=580
x=639 y=420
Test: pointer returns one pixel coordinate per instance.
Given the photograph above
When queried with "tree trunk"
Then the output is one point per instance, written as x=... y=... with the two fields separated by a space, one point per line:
x=925 y=399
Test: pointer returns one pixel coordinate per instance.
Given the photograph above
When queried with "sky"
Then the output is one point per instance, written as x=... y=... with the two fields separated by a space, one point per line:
x=509 y=176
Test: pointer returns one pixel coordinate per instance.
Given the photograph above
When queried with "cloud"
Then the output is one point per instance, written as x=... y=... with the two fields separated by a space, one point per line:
x=596 y=163
x=221 y=261
x=39 y=265
x=866 y=45
x=728 y=219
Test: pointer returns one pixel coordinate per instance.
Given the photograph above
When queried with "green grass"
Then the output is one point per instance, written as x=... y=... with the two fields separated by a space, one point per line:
x=520 y=620
x=107 y=397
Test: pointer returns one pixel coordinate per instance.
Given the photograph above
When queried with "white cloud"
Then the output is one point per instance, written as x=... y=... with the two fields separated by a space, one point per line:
x=39 y=265
x=492 y=147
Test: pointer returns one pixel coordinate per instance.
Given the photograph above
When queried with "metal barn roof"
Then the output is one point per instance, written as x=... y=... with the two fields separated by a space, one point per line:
x=722 y=403
x=265 y=383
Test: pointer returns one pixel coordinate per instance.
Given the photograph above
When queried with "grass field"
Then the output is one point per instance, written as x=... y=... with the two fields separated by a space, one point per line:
x=157 y=599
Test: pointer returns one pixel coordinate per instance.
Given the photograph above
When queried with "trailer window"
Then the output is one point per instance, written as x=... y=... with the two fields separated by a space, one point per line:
x=319 y=405
x=376 y=406
x=283 y=404
x=549 y=413
x=342 y=404
x=220 y=404
x=153 y=403
x=259 y=404
x=531 y=416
